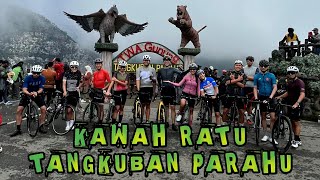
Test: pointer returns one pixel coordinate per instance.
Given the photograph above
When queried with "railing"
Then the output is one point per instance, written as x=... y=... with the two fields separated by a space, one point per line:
x=297 y=49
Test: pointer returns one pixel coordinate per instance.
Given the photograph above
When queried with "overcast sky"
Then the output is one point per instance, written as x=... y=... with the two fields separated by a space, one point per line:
x=235 y=29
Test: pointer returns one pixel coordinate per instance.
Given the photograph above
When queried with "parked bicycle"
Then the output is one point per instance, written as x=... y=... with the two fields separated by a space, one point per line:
x=205 y=113
x=52 y=106
x=32 y=115
x=282 y=129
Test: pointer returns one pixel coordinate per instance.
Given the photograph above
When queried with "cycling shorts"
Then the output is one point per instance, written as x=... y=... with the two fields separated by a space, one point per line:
x=191 y=102
x=39 y=100
x=122 y=99
x=170 y=95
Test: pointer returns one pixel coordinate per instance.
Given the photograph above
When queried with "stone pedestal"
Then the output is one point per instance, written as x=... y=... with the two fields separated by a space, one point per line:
x=188 y=55
x=106 y=50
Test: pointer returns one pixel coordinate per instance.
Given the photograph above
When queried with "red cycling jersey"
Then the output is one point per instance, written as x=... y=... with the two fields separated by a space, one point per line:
x=99 y=78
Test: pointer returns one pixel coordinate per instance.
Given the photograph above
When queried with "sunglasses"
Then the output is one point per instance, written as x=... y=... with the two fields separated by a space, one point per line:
x=291 y=72
x=146 y=60
x=122 y=67
x=37 y=73
x=73 y=67
x=193 y=69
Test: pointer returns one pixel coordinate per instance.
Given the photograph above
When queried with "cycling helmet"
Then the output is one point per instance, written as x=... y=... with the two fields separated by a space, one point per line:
x=211 y=68
x=293 y=68
x=200 y=71
x=146 y=57
x=264 y=63
x=36 y=68
x=122 y=63
x=193 y=66
x=238 y=62
x=74 y=63
x=98 y=60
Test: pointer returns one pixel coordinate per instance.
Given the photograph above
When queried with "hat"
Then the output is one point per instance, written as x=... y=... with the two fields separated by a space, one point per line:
x=315 y=29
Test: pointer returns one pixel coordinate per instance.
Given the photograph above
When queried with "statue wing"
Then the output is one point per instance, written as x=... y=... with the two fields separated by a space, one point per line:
x=88 y=22
x=126 y=27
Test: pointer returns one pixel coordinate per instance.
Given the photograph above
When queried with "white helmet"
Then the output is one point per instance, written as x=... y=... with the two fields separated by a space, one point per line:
x=36 y=68
x=211 y=68
x=292 y=68
x=193 y=66
x=74 y=63
x=146 y=57
x=122 y=63
x=238 y=62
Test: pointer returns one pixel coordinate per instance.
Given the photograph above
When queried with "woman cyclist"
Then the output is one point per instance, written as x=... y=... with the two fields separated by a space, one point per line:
x=119 y=82
x=191 y=89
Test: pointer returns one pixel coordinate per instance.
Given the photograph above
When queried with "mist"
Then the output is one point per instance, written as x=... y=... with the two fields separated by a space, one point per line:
x=235 y=29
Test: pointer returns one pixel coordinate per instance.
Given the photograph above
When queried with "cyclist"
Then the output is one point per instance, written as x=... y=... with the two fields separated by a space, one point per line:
x=100 y=81
x=191 y=89
x=70 y=85
x=145 y=81
x=294 y=96
x=120 y=86
x=235 y=84
x=249 y=71
x=265 y=87
x=167 y=73
x=209 y=87
x=50 y=76
x=33 y=87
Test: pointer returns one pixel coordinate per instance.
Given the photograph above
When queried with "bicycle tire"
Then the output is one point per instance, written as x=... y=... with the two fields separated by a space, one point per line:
x=232 y=119
x=59 y=121
x=32 y=120
x=257 y=121
x=110 y=112
x=186 y=115
x=90 y=116
x=51 y=109
x=206 y=117
x=161 y=114
x=138 y=114
x=279 y=130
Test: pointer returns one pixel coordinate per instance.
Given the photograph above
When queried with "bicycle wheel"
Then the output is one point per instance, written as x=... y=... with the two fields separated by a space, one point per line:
x=110 y=111
x=206 y=117
x=282 y=133
x=232 y=119
x=51 y=109
x=137 y=114
x=32 y=120
x=90 y=116
x=185 y=117
x=60 y=120
x=257 y=122
x=161 y=114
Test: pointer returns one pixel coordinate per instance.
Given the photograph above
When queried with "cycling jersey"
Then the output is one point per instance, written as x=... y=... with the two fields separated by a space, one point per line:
x=264 y=83
x=50 y=76
x=191 y=84
x=58 y=67
x=166 y=74
x=207 y=85
x=294 y=88
x=72 y=80
x=234 y=89
x=33 y=84
x=123 y=78
x=143 y=74
x=100 y=77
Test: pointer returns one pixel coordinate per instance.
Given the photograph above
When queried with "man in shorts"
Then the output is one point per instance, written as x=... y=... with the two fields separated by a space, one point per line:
x=167 y=73
x=294 y=96
x=32 y=87
x=145 y=81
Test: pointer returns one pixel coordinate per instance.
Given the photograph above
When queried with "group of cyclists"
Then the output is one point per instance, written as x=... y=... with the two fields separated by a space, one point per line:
x=256 y=83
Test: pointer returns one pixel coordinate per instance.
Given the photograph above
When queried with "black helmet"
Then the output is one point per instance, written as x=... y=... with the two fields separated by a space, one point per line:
x=264 y=63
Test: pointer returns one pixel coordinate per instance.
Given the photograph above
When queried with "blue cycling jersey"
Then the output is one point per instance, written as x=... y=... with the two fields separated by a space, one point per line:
x=33 y=84
x=264 y=83
x=207 y=85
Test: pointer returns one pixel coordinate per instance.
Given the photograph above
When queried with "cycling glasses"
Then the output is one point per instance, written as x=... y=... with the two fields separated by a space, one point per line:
x=291 y=72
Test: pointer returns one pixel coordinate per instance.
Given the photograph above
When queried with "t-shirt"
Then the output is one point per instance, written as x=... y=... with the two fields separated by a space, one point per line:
x=143 y=74
x=100 y=77
x=264 y=83
x=72 y=80
x=123 y=78
x=207 y=85
x=17 y=70
x=59 y=70
x=234 y=89
x=250 y=71
x=50 y=76
x=33 y=84
x=294 y=88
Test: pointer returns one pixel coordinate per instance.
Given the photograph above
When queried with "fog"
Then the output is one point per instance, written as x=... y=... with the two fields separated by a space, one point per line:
x=235 y=29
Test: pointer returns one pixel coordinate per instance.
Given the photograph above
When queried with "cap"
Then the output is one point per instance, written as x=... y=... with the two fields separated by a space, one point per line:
x=315 y=29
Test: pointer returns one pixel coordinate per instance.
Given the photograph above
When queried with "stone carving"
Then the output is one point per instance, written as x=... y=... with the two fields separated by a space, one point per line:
x=107 y=24
x=184 y=23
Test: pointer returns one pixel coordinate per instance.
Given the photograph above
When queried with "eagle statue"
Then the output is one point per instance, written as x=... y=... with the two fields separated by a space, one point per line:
x=107 y=24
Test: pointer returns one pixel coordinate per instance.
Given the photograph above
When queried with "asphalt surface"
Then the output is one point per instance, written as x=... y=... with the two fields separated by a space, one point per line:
x=14 y=162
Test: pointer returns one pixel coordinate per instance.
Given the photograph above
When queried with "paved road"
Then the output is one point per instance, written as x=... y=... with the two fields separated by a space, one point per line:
x=14 y=162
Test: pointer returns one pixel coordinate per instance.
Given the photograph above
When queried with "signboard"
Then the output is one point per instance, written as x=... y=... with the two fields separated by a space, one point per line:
x=133 y=67
x=148 y=47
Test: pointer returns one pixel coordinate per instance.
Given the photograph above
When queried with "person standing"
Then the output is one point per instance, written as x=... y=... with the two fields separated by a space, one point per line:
x=3 y=83
x=87 y=78
x=145 y=82
x=17 y=79
x=50 y=76
x=59 y=68
x=167 y=73
x=250 y=71
x=315 y=38
x=294 y=96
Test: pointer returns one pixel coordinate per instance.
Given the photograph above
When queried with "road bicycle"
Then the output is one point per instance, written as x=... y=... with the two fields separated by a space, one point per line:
x=234 y=112
x=137 y=115
x=282 y=129
x=205 y=112
x=161 y=111
x=52 y=106
x=257 y=119
x=185 y=114
x=32 y=115
x=112 y=107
